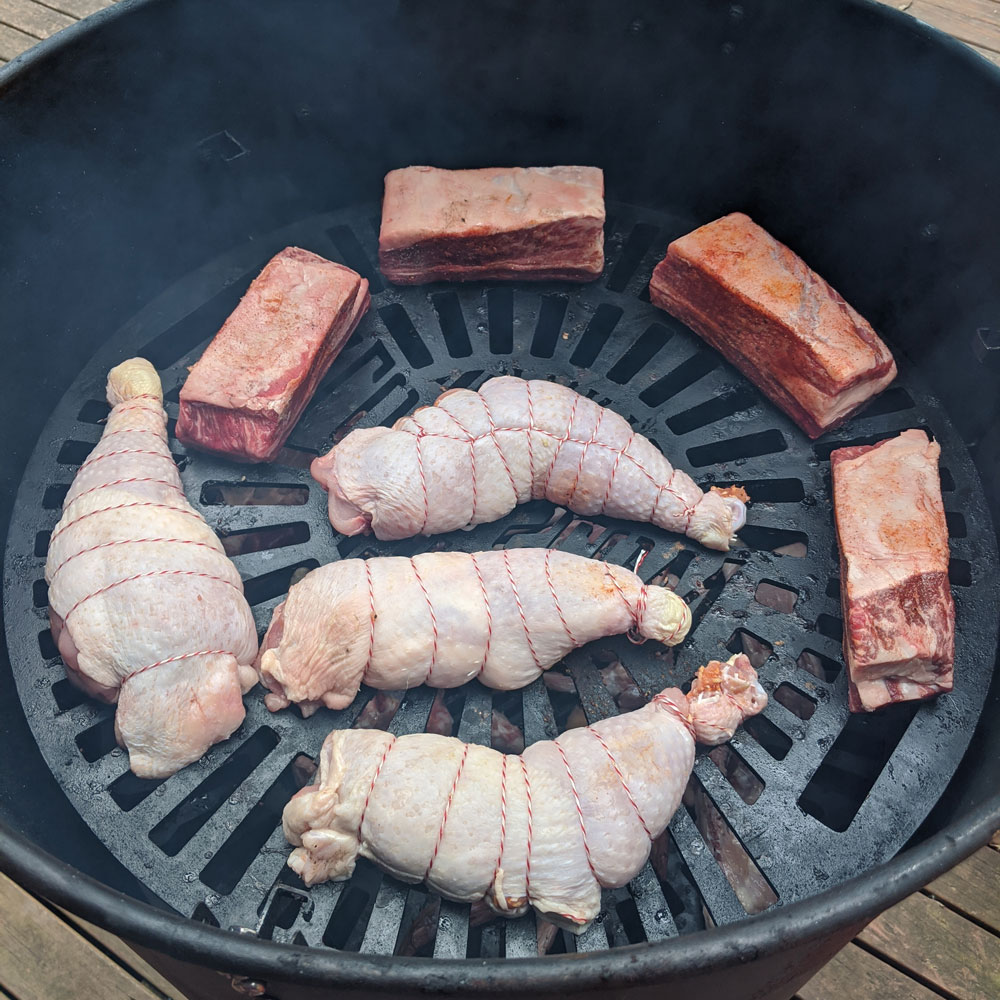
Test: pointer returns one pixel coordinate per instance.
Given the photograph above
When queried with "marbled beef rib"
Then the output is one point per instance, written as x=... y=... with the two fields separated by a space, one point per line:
x=249 y=388
x=518 y=223
x=780 y=323
x=899 y=617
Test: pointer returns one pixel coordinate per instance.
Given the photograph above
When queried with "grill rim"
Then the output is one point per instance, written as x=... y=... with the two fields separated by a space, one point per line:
x=780 y=930
x=783 y=929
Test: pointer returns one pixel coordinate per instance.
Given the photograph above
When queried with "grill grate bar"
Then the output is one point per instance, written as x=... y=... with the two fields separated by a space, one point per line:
x=453 y=930
x=652 y=905
x=716 y=892
x=387 y=915
x=521 y=936
x=595 y=937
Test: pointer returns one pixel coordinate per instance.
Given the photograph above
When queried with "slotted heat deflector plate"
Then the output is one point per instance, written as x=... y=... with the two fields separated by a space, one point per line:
x=833 y=796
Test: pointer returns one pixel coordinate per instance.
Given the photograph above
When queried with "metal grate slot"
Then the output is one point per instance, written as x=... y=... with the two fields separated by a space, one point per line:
x=267 y=586
x=830 y=626
x=746 y=879
x=97 y=740
x=637 y=245
x=756 y=649
x=405 y=334
x=453 y=328
x=683 y=376
x=356 y=257
x=823 y=667
x=776 y=596
x=46 y=645
x=128 y=791
x=549 y=325
x=599 y=329
x=798 y=703
x=275 y=536
x=836 y=791
x=224 y=870
x=824 y=449
x=956 y=524
x=713 y=410
x=67 y=695
x=640 y=354
x=731 y=449
x=717 y=894
x=769 y=736
x=893 y=400
x=780 y=541
x=737 y=772
x=960 y=572
x=177 y=828
x=253 y=494
x=500 y=308
x=54 y=496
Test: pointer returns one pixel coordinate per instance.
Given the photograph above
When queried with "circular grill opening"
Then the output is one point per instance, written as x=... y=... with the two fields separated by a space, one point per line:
x=802 y=798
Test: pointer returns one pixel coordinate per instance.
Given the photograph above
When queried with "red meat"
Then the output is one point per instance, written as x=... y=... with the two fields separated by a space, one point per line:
x=899 y=617
x=525 y=224
x=780 y=323
x=245 y=394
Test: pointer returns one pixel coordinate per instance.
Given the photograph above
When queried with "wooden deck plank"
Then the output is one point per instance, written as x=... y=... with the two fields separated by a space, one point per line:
x=14 y=42
x=78 y=8
x=938 y=946
x=853 y=972
x=125 y=955
x=42 y=958
x=33 y=18
x=972 y=888
x=975 y=22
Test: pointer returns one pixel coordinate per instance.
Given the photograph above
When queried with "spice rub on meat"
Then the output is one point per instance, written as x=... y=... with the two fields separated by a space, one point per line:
x=776 y=320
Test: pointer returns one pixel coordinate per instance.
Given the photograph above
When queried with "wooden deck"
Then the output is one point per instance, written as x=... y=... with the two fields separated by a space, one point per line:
x=943 y=941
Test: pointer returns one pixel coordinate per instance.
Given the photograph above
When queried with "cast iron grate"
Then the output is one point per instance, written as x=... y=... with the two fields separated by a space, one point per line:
x=801 y=799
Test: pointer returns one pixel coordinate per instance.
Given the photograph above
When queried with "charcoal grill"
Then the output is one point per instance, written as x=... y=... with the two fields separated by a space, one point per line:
x=812 y=798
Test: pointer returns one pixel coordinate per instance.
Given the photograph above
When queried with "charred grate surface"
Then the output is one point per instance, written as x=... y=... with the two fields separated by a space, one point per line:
x=800 y=799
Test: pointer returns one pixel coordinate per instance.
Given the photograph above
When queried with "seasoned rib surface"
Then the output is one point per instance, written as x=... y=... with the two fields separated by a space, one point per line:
x=779 y=322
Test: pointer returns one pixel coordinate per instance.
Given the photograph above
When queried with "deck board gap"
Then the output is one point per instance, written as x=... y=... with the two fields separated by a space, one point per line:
x=903 y=970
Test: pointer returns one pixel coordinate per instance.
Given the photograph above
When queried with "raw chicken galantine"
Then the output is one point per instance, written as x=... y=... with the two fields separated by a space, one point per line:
x=473 y=456
x=548 y=828
x=442 y=618
x=145 y=607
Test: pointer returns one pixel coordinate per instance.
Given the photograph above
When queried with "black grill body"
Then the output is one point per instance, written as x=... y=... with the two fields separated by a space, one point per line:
x=153 y=163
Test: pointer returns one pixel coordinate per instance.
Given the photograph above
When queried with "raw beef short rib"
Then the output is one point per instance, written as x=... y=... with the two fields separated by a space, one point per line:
x=780 y=323
x=518 y=223
x=249 y=388
x=899 y=617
